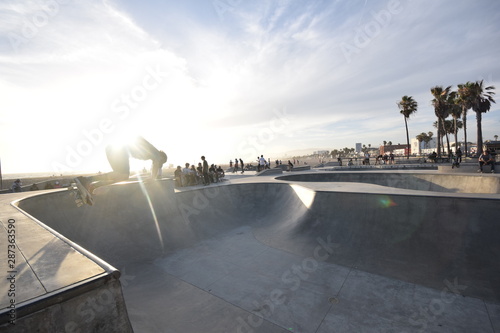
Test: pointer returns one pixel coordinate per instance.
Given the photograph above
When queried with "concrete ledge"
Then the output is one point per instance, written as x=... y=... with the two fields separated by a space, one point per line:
x=468 y=168
x=56 y=284
x=91 y=306
x=302 y=168
x=267 y=172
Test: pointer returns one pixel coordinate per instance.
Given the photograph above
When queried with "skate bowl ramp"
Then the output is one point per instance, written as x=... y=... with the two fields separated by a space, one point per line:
x=284 y=256
x=451 y=183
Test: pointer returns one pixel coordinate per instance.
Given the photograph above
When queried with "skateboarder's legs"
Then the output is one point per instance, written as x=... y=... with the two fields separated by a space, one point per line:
x=118 y=158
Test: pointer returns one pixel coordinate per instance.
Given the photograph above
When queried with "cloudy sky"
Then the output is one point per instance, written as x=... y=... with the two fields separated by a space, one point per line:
x=230 y=78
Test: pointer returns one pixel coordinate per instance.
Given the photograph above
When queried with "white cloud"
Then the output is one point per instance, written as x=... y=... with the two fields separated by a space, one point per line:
x=226 y=76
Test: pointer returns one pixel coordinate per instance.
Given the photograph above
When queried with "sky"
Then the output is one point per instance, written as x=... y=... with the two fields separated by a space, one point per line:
x=230 y=78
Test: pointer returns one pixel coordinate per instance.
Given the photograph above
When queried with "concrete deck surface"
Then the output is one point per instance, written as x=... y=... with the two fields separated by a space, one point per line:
x=318 y=252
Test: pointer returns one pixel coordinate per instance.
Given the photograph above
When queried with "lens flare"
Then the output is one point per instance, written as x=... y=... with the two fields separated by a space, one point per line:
x=153 y=213
x=387 y=202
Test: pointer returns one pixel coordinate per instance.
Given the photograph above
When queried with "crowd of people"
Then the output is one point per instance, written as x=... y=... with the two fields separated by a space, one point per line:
x=17 y=186
x=203 y=174
x=385 y=159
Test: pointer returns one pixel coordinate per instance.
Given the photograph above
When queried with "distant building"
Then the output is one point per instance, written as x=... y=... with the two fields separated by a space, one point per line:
x=358 y=148
x=395 y=149
x=321 y=152
x=423 y=148
x=493 y=146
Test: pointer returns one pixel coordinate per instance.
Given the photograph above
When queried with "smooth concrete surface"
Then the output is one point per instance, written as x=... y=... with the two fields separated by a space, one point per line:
x=268 y=172
x=421 y=181
x=466 y=168
x=322 y=252
x=45 y=275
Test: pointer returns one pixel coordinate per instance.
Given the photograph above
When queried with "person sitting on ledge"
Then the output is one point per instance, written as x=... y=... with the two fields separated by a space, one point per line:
x=433 y=157
x=118 y=157
x=486 y=159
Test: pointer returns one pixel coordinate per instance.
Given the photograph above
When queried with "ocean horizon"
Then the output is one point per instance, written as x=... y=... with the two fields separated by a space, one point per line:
x=25 y=175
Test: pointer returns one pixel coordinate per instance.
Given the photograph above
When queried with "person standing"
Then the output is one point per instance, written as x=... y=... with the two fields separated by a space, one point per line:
x=459 y=155
x=242 y=166
x=206 y=177
x=262 y=163
x=178 y=176
x=235 y=165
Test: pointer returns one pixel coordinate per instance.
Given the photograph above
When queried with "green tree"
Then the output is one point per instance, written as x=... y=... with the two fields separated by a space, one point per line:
x=440 y=103
x=455 y=111
x=407 y=107
x=420 y=138
x=425 y=137
x=465 y=102
x=481 y=99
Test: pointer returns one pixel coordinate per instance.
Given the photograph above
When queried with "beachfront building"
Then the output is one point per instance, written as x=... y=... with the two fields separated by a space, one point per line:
x=423 y=148
x=398 y=150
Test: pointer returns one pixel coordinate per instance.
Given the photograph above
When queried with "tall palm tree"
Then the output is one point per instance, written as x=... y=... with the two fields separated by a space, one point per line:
x=440 y=103
x=481 y=99
x=455 y=111
x=464 y=100
x=421 y=138
x=407 y=107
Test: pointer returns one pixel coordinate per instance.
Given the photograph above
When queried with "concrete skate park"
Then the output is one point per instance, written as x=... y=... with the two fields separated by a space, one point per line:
x=312 y=251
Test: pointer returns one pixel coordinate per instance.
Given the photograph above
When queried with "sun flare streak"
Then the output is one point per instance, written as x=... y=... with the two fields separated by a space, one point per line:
x=153 y=213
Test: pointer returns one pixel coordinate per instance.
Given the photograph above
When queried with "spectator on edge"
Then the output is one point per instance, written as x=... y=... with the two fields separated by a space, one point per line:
x=486 y=159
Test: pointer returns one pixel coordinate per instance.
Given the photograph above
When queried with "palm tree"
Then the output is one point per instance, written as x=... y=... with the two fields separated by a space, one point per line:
x=464 y=100
x=481 y=99
x=407 y=107
x=496 y=137
x=440 y=109
x=450 y=127
x=455 y=111
x=421 y=138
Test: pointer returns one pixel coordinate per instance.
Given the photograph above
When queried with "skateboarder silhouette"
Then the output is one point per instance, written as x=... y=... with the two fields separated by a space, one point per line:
x=118 y=157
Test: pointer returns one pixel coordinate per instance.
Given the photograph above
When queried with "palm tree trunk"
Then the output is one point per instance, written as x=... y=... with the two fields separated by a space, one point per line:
x=444 y=135
x=479 y=133
x=464 y=116
x=407 y=140
x=456 y=133
x=448 y=142
x=439 y=137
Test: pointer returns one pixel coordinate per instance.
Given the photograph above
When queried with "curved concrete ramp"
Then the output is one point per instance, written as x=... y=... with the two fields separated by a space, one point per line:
x=421 y=181
x=282 y=256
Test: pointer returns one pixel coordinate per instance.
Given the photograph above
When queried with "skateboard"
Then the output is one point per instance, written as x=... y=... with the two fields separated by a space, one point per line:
x=82 y=195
